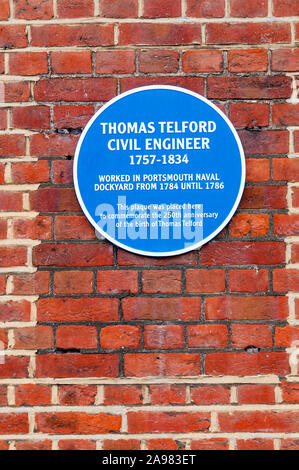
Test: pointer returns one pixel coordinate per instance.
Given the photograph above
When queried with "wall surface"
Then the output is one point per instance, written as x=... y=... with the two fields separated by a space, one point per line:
x=109 y=350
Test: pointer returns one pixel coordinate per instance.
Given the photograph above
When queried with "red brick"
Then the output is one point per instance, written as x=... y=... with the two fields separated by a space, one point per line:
x=192 y=83
x=254 y=394
x=3 y=118
x=124 y=258
x=286 y=60
x=257 y=170
x=121 y=444
x=3 y=397
x=123 y=395
x=31 y=284
x=11 y=201
x=286 y=280
x=119 y=9
x=207 y=336
x=76 y=444
x=77 y=310
x=248 y=60
x=250 y=87
x=117 y=282
x=13 y=256
x=249 y=114
x=255 y=444
x=289 y=444
x=285 y=7
x=296 y=141
x=54 y=200
x=14 y=423
x=2 y=284
x=248 y=33
x=3 y=229
x=285 y=114
x=75 y=8
x=170 y=364
x=77 y=365
x=253 y=8
x=13 y=36
x=33 y=10
x=167 y=394
x=156 y=9
x=205 y=280
x=14 y=367
x=4 y=445
x=206 y=8
x=249 y=308
x=295 y=253
x=12 y=145
x=77 y=423
x=16 y=91
x=31 y=117
x=62 y=171
x=37 y=337
x=158 y=60
x=76 y=337
x=259 y=421
x=243 y=253
x=77 y=395
x=163 y=336
x=31 y=394
x=208 y=395
x=287 y=336
x=242 y=363
x=295 y=197
x=73 y=282
x=210 y=444
x=2 y=173
x=147 y=421
x=166 y=309
x=110 y=62
x=264 y=197
x=34 y=445
x=290 y=392
x=28 y=63
x=161 y=281
x=159 y=34
x=72 y=35
x=285 y=169
x=13 y=310
x=72 y=117
x=254 y=225
x=75 y=89
x=71 y=62
x=252 y=280
x=75 y=226
x=73 y=255
x=164 y=444
x=38 y=228
x=202 y=61
x=5 y=10
x=49 y=145
x=35 y=172
x=120 y=336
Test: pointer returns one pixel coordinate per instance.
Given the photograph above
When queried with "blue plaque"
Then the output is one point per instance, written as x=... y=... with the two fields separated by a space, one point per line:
x=159 y=170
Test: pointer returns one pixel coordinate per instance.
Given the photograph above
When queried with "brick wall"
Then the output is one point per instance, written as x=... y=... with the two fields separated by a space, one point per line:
x=109 y=350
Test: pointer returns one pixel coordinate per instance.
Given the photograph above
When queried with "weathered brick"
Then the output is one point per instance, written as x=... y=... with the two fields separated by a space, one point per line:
x=76 y=337
x=148 y=421
x=286 y=225
x=33 y=394
x=167 y=9
x=31 y=284
x=121 y=444
x=73 y=282
x=77 y=423
x=142 y=308
x=249 y=87
x=72 y=117
x=74 y=226
x=250 y=280
x=210 y=444
x=14 y=423
x=75 y=89
x=258 y=421
x=117 y=282
x=248 y=33
x=163 y=336
x=205 y=8
x=110 y=62
x=75 y=8
x=80 y=395
x=13 y=256
x=71 y=62
x=253 y=8
x=204 y=280
x=54 y=200
x=125 y=258
x=256 y=394
x=36 y=172
x=28 y=63
x=165 y=394
x=77 y=365
x=38 y=228
x=243 y=363
x=123 y=395
x=210 y=394
x=257 y=170
x=37 y=337
x=255 y=444
x=14 y=367
x=285 y=7
x=77 y=310
x=264 y=197
x=13 y=36
x=120 y=336
x=202 y=61
x=5 y=10
x=207 y=336
x=243 y=253
x=285 y=169
x=159 y=34
x=254 y=225
x=73 y=255
x=161 y=281
x=15 y=310
x=249 y=308
x=33 y=10
x=12 y=145
x=76 y=444
x=191 y=83
x=247 y=60
x=72 y=35
x=170 y=364
x=119 y=9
